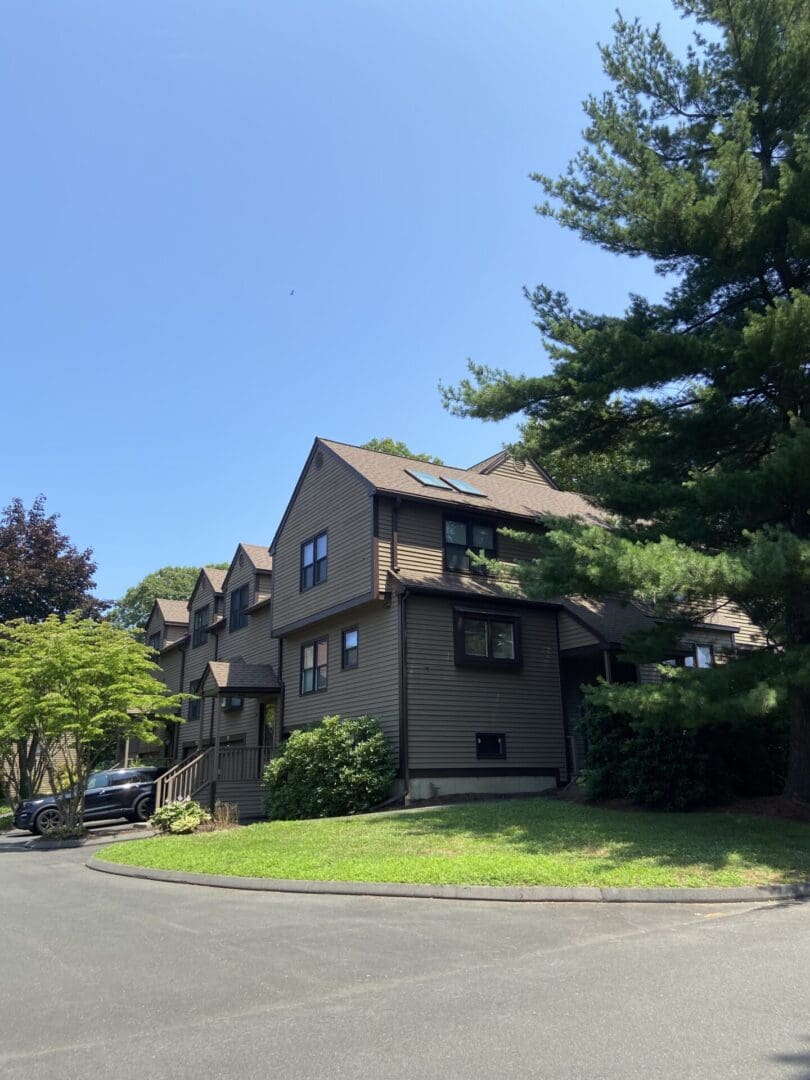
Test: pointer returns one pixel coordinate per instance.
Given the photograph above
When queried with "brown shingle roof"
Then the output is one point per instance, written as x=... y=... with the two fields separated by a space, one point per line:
x=215 y=577
x=239 y=677
x=611 y=620
x=259 y=555
x=386 y=473
x=465 y=585
x=173 y=611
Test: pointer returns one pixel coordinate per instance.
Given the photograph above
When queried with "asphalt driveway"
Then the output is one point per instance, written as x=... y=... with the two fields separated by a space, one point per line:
x=107 y=976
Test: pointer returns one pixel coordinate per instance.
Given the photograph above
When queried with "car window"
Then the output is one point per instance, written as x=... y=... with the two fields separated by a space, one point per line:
x=119 y=779
x=99 y=779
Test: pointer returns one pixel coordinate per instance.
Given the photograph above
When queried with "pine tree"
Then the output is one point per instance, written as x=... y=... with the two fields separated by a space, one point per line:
x=688 y=418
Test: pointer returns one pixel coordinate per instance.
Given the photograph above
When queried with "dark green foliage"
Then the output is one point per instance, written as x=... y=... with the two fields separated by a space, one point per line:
x=673 y=767
x=132 y=611
x=687 y=419
x=398 y=448
x=341 y=766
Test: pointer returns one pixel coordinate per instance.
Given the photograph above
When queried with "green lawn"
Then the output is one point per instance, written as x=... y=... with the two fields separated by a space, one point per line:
x=5 y=816
x=516 y=842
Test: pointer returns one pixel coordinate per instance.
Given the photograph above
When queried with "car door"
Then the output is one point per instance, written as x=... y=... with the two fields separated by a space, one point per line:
x=97 y=797
x=124 y=789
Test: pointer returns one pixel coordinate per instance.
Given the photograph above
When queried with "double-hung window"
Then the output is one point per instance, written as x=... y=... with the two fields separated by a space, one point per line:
x=487 y=639
x=314 y=561
x=462 y=535
x=240 y=599
x=350 y=648
x=314 y=664
x=194 y=706
x=199 y=633
x=701 y=657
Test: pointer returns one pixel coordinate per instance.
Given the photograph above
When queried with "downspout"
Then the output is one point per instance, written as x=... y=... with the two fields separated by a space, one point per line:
x=403 y=695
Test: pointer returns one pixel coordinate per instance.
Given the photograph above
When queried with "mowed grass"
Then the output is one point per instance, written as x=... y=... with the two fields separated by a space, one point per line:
x=6 y=814
x=516 y=842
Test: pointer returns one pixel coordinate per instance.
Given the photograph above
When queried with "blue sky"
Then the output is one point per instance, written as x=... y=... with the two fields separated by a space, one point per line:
x=230 y=227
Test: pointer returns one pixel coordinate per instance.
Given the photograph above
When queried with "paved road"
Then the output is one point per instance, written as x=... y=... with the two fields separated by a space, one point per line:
x=114 y=977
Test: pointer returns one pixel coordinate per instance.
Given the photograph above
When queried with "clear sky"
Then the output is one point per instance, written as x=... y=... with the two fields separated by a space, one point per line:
x=229 y=227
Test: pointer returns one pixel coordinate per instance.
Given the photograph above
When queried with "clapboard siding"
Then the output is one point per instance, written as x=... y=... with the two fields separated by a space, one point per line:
x=447 y=705
x=573 y=634
x=248 y=797
x=331 y=499
x=420 y=541
x=385 y=510
x=372 y=688
x=521 y=470
x=196 y=659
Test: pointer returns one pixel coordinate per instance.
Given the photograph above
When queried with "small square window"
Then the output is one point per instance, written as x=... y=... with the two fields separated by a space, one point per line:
x=350 y=652
x=314 y=559
x=489 y=745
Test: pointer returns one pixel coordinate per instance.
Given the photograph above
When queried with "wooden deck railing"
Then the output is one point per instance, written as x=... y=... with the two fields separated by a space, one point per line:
x=184 y=780
x=242 y=762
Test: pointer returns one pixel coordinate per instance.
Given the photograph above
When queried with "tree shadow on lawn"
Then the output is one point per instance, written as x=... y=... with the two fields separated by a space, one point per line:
x=613 y=837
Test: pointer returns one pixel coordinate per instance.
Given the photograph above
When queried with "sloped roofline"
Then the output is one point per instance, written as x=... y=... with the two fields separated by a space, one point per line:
x=490 y=464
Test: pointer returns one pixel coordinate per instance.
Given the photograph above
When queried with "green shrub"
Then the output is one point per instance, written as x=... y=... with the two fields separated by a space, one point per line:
x=673 y=767
x=340 y=766
x=183 y=816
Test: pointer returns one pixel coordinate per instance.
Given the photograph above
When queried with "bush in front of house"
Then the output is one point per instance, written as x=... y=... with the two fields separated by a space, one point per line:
x=182 y=816
x=669 y=766
x=340 y=766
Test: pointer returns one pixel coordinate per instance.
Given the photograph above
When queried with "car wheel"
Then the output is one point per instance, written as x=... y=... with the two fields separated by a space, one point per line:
x=142 y=809
x=47 y=820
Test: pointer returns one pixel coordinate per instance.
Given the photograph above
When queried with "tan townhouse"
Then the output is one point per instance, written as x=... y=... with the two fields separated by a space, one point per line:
x=368 y=602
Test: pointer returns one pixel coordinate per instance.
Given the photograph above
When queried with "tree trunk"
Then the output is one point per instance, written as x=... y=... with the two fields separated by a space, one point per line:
x=797 y=783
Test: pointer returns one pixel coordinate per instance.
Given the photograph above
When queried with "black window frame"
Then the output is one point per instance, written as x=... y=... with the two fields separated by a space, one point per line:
x=316 y=667
x=319 y=567
x=238 y=618
x=199 y=628
x=194 y=707
x=470 y=522
x=345 y=650
x=499 y=754
x=691 y=661
x=465 y=659
x=154 y=641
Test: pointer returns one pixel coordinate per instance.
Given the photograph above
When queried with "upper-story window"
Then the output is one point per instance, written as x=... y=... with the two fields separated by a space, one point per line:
x=194 y=705
x=487 y=639
x=466 y=534
x=350 y=648
x=240 y=599
x=154 y=641
x=314 y=665
x=702 y=657
x=313 y=561
x=199 y=632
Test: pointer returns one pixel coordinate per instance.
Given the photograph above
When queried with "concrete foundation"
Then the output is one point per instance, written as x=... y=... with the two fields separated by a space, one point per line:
x=429 y=787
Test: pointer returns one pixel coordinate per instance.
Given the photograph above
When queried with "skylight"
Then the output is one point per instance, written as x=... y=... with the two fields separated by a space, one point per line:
x=428 y=479
x=464 y=486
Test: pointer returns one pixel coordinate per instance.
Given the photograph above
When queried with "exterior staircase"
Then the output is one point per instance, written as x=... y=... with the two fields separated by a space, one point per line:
x=231 y=774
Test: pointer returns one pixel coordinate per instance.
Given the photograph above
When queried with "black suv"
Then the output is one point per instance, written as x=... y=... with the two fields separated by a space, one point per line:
x=116 y=793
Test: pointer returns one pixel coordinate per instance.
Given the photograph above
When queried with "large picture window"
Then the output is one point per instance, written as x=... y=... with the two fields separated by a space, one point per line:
x=487 y=639
x=314 y=665
x=464 y=534
x=199 y=633
x=240 y=599
x=314 y=554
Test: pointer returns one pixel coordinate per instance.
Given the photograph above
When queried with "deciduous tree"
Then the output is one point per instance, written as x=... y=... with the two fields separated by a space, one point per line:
x=169 y=583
